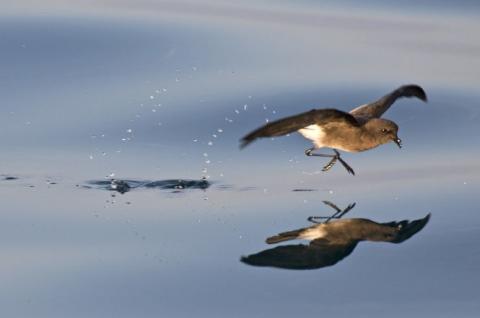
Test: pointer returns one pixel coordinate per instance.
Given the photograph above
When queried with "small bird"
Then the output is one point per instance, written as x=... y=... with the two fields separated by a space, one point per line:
x=359 y=130
x=331 y=242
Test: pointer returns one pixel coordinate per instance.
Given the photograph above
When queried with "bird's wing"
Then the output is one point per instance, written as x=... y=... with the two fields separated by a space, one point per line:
x=284 y=236
x=406 y=229
x=293 y=123
x=377 y=108
x=300 y=256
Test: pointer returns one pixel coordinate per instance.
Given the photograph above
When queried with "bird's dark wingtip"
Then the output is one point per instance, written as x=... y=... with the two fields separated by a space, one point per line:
x=245 y=260
x=422 y=95
x=244 y=142
x=414 y=90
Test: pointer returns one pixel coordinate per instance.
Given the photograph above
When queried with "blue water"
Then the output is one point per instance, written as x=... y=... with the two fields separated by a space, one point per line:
x=157 y=95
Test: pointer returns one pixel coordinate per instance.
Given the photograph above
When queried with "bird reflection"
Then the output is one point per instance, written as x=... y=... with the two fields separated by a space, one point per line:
x=331 y=240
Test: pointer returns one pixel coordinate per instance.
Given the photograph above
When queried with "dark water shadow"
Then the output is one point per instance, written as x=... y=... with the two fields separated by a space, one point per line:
x=304 y=190
x=123 y=186
x=7 y=178
x=332 y=240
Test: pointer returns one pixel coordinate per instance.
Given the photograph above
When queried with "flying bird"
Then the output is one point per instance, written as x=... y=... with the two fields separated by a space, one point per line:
x=359 y=130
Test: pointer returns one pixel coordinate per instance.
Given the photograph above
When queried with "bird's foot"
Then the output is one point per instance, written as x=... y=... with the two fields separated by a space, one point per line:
x=337 y=215
x=309 y=152
x=344 y=164
x=313 y=219
x=330 y=164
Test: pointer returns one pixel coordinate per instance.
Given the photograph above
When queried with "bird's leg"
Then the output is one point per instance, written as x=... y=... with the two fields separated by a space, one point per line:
x=337 y=215
x=346 y=210
x=333 y=206
x=344 y=164
x=309 y=152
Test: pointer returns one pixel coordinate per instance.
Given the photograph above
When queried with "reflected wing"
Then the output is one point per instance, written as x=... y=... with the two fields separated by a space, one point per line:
x=376 y=109
x=300 y=256
x=293 y=123
x=407 y=229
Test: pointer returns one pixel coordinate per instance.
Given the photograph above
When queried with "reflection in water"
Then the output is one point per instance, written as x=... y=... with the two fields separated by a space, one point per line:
x=331 y=240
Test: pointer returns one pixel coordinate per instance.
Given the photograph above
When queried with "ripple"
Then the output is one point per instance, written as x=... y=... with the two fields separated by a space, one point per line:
x=124 y=186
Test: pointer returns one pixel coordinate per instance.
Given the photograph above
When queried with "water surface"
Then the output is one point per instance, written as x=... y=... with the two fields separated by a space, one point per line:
x=157 y=95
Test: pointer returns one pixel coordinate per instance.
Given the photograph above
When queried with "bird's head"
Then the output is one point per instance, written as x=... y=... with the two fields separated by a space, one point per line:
x=384 y=131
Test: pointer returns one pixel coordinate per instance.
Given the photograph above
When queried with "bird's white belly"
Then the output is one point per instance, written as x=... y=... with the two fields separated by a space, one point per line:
x=314 y=133
x=313 y=233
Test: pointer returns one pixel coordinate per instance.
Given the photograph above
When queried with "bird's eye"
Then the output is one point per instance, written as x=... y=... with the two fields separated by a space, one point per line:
x=384 y=130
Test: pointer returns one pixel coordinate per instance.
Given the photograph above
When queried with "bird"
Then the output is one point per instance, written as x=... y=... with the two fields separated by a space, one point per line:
x=330 y=242
x=359 y=130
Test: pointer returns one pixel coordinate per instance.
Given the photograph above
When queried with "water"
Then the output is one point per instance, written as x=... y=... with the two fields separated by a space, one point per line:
x=155 y=96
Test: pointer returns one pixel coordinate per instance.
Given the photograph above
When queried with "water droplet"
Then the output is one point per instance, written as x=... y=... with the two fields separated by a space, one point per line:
x=152 y=97
x=154 y=110
x=205 y=154
x=214 y=136
x=210 y=143
x=195 y=140
x=164 y=89
x=90 y=157
x=267 y=120
x=245 y=107
x=220 y=130
x=237 y=111
x=207 y=162
x=129 y=130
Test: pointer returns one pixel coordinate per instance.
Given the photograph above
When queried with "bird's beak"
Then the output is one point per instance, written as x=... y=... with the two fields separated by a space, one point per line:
x=398 y=141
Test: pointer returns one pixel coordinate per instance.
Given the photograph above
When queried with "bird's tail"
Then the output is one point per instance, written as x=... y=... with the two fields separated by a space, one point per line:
x=285 y=236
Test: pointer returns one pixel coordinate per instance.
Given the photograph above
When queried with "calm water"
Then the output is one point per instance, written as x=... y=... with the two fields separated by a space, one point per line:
x=151 y=93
